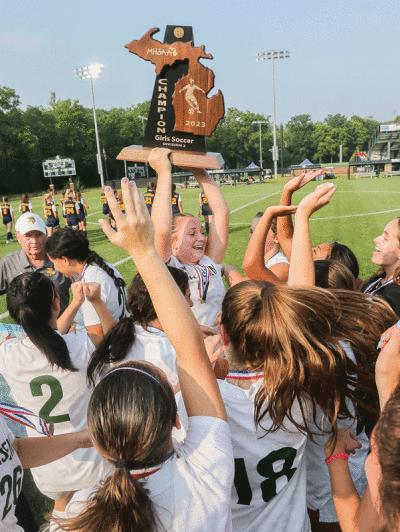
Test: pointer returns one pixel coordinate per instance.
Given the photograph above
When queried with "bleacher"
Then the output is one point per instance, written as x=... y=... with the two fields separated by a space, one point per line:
x=385 y=143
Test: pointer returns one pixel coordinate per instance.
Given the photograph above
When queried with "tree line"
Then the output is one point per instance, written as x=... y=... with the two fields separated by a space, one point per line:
x=66 y=128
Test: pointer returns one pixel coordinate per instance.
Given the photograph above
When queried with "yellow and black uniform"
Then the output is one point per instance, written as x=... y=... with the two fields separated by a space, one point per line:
x=6 y=211
x=149 y=199
x=121 y=206
x=71 y=212
x=205 y=207
x=51 y=220
x=106 y=209
x=25 y=207
x=175 y=199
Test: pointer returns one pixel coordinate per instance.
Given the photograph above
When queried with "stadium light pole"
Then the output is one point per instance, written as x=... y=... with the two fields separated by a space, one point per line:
x=146 y=164
x=259 y=122
x=92 y=72
x=272 y=55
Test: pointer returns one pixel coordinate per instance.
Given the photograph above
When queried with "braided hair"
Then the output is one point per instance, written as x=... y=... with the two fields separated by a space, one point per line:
x=75 y=246
x=29 y=301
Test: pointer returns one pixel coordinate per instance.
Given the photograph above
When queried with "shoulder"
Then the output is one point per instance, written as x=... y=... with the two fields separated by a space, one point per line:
x=15 y=257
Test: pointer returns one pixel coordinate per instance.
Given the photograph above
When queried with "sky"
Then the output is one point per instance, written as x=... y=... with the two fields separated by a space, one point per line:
x=343 y=54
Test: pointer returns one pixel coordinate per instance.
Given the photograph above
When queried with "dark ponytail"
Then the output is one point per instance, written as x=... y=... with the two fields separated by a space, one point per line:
x=132 y=433
x=94 y=258
x=118 y=341
x=29 y=302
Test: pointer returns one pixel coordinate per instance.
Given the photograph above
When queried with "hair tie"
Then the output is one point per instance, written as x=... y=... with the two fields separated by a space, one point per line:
x=262 y=293
x=126 y=464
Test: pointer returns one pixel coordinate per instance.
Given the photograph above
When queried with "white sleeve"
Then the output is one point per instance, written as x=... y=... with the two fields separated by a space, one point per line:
x=77 y=207
x=30 y=205
x=54 y=208
x=179 y=198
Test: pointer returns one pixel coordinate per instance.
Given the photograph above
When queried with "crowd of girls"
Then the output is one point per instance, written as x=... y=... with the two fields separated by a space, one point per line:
x=306 y=365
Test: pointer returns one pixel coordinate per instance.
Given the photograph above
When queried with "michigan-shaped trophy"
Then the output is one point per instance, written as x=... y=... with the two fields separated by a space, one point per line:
x=181 y=113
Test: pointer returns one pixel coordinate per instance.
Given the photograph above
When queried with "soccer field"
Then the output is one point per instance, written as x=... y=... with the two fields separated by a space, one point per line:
x=356 y=215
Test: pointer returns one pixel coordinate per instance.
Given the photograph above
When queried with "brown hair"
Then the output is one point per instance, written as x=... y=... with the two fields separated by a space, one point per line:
x=25 y=198
x=130 y=419
x=387 y=439
x=273 y=226
x=380 y=274
x=332 y=274
x=293 y=336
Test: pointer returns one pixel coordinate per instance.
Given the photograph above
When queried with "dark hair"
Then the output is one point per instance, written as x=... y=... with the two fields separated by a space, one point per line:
x=342 y=253
x=29 y=302
x=331 y=274
x=131 y=415
x=75 y=246
x=5 y=199
x=387 y=439
x=118 y=341
x=273 y=225
x=25 y=198
x=292 y=335
x=173 y=187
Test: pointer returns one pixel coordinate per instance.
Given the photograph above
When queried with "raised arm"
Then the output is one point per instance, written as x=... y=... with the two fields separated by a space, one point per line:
x=302 y=270
x=161 y=212
x=219 y=227
x=135 y=235
x=253 y=262
x=285 y=224
x=67 y=317
x=387 y=367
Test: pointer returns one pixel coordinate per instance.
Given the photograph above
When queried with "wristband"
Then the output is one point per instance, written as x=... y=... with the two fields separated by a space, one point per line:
x=339 y=456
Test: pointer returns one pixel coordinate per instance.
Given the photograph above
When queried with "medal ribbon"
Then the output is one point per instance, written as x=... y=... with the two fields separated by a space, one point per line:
x=371 y=288
x=244 y=375
x=203 y=274
x=20 y=415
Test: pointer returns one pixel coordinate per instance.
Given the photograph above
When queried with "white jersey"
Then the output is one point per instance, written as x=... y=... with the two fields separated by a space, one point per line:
x=269 y=492
x=207 y=298
x=191 y=492
x=152 y=345
x=11 y=474
x=278 y=258
x=319 y=490
x=113 y=297
x=49 y=392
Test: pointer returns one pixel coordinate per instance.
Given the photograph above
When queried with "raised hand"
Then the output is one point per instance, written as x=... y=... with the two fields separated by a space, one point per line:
x=135 y=231
x=159 y=160
x=78 y=296
x=92 y=292
x=281 y=210
x=301 y=180
x=317 y=199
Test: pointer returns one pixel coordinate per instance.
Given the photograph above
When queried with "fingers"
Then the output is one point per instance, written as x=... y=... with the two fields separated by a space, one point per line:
x=107 y=230
x=217 y=320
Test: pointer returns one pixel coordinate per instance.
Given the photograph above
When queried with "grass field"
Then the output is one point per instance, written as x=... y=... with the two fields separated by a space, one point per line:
x=356 y=215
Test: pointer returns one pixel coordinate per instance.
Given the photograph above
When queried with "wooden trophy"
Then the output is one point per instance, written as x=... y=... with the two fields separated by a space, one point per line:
x=181 y=114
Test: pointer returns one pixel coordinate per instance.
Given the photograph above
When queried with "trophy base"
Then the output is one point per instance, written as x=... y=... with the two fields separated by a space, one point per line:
x=209 y=160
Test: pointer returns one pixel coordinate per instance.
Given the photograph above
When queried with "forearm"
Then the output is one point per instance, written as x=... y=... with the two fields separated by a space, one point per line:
x=107 y=321
x=285 y=225
x=232 y=276
x=302 y=270
x=36 y=452
x=219 y=229
x=67 y=317
x=253 y=262
x=345 y=496
x=161 y=215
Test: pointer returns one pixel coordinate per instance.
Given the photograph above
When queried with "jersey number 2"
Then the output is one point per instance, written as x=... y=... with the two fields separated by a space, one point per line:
x=265 y=469
x=55 y=397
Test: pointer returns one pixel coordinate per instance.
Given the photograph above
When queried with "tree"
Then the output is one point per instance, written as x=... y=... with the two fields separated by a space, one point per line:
x=299 y=140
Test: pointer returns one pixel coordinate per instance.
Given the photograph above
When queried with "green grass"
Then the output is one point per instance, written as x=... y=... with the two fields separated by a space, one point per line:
x=331 y=223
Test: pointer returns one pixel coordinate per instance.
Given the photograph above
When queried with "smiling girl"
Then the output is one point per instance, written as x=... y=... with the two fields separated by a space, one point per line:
x=385 y=282
x=180 y=240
